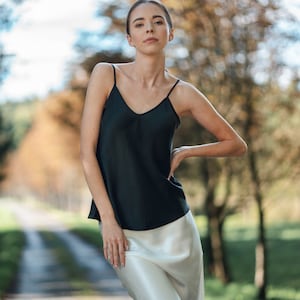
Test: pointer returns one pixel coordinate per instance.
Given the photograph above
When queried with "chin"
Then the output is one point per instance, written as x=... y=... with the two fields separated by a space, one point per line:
x=152 y=52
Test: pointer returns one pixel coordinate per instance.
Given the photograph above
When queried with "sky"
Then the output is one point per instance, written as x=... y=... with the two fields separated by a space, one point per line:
x=43 y=38
x=42 y=41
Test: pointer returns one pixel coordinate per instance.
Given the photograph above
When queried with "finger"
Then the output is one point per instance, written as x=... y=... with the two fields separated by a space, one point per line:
x=108 y=253
x=126 y=248
x=105 y=251
x=121 y=247
x=115 y=255
x=126 y=243
x=170 y=174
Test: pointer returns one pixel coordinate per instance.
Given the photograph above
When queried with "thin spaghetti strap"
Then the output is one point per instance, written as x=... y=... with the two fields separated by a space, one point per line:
x=115 y=80
x=173 y=87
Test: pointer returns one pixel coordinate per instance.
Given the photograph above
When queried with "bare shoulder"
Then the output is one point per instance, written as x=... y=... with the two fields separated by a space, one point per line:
x=102 y=70
x=102 y=79
x=187 y=89
x=100 y=84
x=187 y=97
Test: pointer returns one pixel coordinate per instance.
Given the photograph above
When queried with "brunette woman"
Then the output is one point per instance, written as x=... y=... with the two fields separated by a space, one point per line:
x=130 y=115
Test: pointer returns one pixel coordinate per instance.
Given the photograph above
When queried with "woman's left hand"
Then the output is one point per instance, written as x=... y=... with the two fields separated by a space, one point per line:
x=177 y=157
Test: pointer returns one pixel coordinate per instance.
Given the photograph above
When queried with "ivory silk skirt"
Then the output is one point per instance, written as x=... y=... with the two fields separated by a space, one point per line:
x=165 y=263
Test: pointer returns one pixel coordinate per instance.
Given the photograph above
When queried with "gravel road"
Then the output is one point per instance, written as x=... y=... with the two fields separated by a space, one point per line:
x=42 y=277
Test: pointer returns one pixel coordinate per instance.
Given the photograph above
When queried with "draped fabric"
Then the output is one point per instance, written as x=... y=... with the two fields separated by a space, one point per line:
x=134 y=154
x=164 y=263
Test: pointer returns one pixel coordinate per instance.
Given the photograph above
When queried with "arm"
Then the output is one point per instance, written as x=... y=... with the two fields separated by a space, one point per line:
x=195 y=104
x=114 y=241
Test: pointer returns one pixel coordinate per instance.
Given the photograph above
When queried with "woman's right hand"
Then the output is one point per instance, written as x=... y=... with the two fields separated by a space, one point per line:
x=114 y=244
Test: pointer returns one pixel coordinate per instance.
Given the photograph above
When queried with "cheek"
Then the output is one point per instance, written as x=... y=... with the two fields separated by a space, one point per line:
x=164 y=31
x=135 y=37
x=166 y=35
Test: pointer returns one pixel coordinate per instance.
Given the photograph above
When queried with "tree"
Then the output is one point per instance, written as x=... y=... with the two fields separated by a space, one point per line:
x=47 y=163
x=6 y=143
x=224 y=42
x=221 y=56
x=6 y=21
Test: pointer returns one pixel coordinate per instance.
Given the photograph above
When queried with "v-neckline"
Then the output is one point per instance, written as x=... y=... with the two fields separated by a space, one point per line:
x=146 y=112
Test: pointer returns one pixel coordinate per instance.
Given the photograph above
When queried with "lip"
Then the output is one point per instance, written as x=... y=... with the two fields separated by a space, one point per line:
x=150 y=40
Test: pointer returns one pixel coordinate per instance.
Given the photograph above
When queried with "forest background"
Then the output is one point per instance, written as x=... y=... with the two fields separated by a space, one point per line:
x=231 y=51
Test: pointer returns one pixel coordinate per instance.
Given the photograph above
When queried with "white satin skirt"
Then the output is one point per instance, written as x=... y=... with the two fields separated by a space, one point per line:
x=165 y=263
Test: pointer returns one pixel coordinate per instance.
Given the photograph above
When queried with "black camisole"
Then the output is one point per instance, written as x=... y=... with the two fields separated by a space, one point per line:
x=134 y=153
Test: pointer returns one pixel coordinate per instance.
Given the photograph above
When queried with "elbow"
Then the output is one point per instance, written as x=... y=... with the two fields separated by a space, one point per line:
x=85 y=157
x=87 y=151
x=86 y=163
x=241 y=148
x=82 y=157
x=82 y=154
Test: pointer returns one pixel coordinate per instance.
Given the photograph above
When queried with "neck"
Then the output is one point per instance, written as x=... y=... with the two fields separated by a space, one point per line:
x=149 y=70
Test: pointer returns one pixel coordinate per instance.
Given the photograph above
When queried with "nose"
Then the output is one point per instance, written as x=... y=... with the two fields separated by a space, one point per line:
x=149 y=27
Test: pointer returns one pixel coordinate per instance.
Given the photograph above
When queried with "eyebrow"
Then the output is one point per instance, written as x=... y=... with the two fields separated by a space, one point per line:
x=142 y=19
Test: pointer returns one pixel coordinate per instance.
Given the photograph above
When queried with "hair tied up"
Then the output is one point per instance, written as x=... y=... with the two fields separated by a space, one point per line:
x=157 y=3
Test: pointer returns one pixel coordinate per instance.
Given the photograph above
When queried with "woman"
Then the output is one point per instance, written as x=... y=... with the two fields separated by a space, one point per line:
x=130 y=115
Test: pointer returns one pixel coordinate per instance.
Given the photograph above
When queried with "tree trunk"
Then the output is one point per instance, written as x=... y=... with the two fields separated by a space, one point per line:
x=261 y=247
x=260 y=277
x=217 y=263
x=220 y=268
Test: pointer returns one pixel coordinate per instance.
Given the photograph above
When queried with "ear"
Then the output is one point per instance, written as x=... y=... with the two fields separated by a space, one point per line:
x=129 y=39
x=171 y=35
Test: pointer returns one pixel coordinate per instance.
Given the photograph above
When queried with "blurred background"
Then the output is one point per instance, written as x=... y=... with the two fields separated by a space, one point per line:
x=243 y=55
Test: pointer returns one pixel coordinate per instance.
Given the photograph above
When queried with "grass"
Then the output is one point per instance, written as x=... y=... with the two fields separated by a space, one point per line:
x=283 y=241
x=12 y=242
x=215 y=290
x=90 y=234
x=283 y=244
x=284 y=254
x=75 y=274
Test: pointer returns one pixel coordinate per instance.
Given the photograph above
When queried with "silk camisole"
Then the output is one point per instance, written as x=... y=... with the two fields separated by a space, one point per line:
x=134 y=153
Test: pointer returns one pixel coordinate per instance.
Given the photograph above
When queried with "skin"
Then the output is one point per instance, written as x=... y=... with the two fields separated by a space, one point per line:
x=148 y=76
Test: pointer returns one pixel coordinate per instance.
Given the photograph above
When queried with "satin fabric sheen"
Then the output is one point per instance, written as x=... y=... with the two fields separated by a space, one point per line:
x=134 y=153
x=165 y=263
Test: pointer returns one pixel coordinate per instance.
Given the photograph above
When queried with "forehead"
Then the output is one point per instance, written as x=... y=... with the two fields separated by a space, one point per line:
x=146 y=10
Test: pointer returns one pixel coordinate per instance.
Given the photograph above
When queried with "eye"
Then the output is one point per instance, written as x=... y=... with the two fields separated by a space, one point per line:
x=137 y=25
x=159 y=22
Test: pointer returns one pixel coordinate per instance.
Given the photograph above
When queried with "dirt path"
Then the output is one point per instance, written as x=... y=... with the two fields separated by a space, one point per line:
x=42 y=277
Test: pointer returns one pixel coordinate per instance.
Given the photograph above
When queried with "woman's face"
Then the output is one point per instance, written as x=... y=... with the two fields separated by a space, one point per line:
x=149 y=30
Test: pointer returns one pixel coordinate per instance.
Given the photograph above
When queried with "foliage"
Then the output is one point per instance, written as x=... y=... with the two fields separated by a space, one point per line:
x=223 y=59
x=5 y=143
x=12 y=242
x=7 y=19
x=15 y=122
x=225 y=42
x=47 y=161
x=218 y=48
x=18 y=118
x=221 y=79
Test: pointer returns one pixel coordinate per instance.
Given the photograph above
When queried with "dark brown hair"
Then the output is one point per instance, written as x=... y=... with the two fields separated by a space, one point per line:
x=139 y=2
